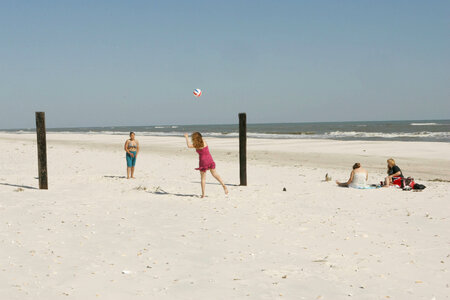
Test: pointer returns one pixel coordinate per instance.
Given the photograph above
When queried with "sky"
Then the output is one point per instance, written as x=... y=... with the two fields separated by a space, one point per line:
x=130 y=63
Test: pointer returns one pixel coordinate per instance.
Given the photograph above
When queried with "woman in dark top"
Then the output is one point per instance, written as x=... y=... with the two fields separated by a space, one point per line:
x=394 y=172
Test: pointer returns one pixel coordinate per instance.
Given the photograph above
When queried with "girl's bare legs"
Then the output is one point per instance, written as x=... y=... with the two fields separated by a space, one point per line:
x=216 y=176
x=132 y=172
x=387 y=181
x=128 y=172
x=203 y=180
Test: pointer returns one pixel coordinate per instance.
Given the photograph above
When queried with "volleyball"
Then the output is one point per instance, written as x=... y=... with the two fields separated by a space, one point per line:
x=197 y=92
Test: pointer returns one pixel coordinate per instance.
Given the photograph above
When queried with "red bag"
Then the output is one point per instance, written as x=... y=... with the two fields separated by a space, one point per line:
x=403 y=182
x=408 y=182
x=397 y=181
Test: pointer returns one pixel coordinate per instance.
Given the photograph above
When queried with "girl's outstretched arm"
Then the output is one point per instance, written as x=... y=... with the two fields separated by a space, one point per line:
x=188 y=143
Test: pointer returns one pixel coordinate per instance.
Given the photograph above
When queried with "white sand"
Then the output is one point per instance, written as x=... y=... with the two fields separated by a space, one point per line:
x=95 y=235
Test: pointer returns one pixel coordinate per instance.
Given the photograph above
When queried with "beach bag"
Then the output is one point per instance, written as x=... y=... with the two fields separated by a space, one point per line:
x=398 y=181
x=408 y=182
x=418 y=186
x=403 y=182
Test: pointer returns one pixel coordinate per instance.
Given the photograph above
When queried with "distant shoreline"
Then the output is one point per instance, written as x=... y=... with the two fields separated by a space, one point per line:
x=424 y=121
x=411 y=130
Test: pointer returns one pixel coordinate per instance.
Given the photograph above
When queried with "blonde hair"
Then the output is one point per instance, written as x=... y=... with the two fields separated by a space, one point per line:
x=392 y=162
x=197 y=140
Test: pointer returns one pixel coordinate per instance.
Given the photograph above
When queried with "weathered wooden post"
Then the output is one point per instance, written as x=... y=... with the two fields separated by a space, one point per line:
x=42 y=150
x=243 y=148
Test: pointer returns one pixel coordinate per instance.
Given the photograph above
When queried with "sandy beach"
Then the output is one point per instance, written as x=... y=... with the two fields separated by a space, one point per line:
x=96 y=235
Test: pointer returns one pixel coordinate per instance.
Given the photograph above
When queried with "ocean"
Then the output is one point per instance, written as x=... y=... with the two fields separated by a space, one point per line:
x=429 y=130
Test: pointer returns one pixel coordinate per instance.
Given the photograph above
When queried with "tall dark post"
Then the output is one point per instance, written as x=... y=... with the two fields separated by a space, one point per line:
x=243 y=148
x=42 y=150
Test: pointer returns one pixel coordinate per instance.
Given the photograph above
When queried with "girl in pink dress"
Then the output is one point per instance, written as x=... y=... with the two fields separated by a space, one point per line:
x=206 y=161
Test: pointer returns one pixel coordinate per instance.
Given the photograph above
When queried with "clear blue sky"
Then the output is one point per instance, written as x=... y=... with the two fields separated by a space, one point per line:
x=100 y=63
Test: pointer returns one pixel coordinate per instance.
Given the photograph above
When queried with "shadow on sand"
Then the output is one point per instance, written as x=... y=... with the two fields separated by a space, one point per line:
x=19 y=186
x=115 y=177
x=216 y=183
x=160 y=191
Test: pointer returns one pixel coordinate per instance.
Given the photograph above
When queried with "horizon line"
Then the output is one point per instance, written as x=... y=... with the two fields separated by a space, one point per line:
x=205 y=124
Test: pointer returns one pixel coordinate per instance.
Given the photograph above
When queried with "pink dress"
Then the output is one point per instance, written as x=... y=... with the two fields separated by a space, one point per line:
x=206 y=161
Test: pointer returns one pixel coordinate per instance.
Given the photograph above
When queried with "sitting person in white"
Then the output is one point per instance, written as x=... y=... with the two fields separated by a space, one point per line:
x=358 y=178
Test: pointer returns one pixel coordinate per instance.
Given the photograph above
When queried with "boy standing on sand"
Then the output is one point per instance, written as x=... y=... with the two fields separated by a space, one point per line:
x=132 y=149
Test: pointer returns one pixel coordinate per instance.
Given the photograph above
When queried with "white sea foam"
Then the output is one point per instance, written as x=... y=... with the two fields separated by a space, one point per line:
x=425 y=124
x=357 y=134
x=328 y=135
x=27 y=131
x=205 y=134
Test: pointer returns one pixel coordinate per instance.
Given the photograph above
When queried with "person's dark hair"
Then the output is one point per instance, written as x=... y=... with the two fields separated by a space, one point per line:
x=131 y=132
x=356 y=166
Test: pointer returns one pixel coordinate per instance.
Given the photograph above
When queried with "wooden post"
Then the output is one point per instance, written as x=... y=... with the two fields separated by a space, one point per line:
x=243 y=148
x=42 y=150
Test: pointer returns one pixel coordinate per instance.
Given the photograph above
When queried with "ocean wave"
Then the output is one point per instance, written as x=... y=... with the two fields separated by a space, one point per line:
x=162 y=127
x=425 y=124
x=359 y=134
x=289 y=132
x=27 y=131
x=293 y=135
x=419 y=135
